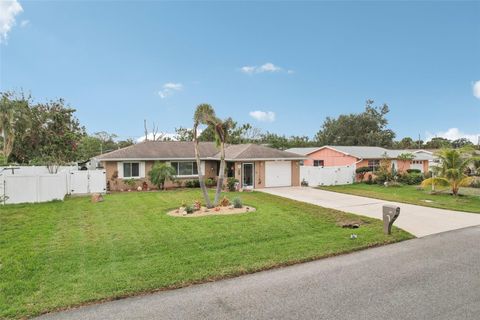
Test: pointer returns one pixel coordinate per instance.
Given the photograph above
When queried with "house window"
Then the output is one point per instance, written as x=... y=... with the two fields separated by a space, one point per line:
x=185 y=168
x=131 y=170
x=373 y=164
x=318 y=163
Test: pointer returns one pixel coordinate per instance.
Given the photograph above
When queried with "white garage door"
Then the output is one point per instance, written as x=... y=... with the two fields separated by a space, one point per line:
x=278 y=173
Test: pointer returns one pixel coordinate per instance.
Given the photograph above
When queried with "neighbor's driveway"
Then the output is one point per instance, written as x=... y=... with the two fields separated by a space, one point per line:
x=419 y=221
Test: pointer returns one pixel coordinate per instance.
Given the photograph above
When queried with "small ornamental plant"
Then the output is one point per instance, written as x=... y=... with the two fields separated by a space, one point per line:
x=225 y=202
x=197 y=205
x=237 y=203
x=189 y=209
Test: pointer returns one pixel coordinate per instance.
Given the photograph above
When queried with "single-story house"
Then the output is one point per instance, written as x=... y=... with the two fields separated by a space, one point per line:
x=363 y=156
x=255 y=166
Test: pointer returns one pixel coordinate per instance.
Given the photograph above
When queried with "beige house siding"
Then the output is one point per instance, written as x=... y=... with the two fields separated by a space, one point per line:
x=295 y=173
x=259 y=174
x=118 y=184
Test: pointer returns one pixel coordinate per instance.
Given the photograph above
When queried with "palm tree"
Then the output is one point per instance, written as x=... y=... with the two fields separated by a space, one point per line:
x=204 y=114
x=160 y=173
x=221 y=135
x=451 y=172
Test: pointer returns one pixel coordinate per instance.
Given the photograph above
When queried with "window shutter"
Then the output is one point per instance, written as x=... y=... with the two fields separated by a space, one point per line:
x=120 y=169
x=141 y=169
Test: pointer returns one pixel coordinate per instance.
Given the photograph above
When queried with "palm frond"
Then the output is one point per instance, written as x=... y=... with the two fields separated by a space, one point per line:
x=435 y=181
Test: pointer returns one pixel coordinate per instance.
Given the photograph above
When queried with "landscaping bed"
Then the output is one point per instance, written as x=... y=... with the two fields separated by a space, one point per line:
x=62 y=254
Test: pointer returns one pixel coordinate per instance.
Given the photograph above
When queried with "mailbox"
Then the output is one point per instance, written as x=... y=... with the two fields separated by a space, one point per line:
x=390 y=214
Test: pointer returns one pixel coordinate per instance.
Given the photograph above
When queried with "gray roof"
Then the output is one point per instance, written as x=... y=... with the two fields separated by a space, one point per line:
x=255 y=151
x=176 y=150
x=303 y=151
x=366 y=152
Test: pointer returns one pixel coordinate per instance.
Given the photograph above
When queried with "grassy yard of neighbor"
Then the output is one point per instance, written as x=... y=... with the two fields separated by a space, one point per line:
x=468 y=200
x=60 y=254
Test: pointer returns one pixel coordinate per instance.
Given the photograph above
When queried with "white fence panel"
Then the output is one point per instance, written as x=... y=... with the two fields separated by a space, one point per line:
x=38 y=188
x=87 y=181
x=327 y=176
x=52 y=187
x=79 y=182
x=98 y=181
x=35 y=184
x=19 y=189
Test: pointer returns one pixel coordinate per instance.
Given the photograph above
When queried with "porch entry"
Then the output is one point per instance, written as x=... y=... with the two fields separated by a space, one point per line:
x=248 y=175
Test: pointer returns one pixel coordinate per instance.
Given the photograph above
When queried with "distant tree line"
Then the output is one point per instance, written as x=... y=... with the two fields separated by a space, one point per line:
x=48 y=133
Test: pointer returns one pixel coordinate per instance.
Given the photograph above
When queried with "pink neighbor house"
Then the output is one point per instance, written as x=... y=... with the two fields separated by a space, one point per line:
x=362 y=156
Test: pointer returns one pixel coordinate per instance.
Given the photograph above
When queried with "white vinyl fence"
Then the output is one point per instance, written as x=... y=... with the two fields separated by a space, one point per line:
x=35 y=184
x=327 y=176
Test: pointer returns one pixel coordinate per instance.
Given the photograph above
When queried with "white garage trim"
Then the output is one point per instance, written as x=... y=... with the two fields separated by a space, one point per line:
x=278 y=173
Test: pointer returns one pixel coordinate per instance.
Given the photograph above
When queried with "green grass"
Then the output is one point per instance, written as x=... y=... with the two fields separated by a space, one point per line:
x=468 y=201
x=61 y=254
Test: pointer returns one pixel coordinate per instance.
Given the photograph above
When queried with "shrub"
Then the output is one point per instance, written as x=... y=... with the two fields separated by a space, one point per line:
x=414 y=171
x=370 y=180
x=225 y=202
x=362 y=171
x=411 y=178
x=475 y=183
x=210 y=182
x=192 y=184
x=197 y=205
x=132 y=183
x=179 y=183
x=189 y=209
x=231 y=183
x=237 y=203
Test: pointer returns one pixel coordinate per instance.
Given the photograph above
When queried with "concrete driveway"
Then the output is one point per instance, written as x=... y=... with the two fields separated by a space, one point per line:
x=419 y=221
x=435 y=277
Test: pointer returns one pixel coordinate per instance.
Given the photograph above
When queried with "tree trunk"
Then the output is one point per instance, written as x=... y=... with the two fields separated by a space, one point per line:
x=221 y=174
x=201 y=179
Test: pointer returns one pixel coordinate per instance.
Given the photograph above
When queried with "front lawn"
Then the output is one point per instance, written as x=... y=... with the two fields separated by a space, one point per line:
x=60 y=254
x=469 y=199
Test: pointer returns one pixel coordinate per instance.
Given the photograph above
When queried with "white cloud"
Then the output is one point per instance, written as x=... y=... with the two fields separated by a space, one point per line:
x=476 y=89
x=8 y=10
x=266 y=67
x=169 y=88
x=454 y=134
x=163 y=135
x=24 y=23
x=265 y=116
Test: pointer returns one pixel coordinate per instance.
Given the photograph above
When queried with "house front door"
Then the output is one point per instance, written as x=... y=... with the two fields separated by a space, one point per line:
x=248 y=175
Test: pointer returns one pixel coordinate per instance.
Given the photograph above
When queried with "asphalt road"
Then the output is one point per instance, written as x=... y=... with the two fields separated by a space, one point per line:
x=435 y=277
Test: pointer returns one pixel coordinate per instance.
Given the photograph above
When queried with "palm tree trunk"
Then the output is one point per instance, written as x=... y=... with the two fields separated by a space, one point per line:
x=221 y=174
x=201 y=179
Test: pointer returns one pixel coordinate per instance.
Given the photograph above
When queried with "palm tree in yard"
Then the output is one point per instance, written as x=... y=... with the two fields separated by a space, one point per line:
x=221 y=135
x=204 y=114
x=451 y=171
x=161 y=173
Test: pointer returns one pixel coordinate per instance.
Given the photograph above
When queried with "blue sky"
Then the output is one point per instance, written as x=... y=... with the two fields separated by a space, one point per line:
x=295 y=63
